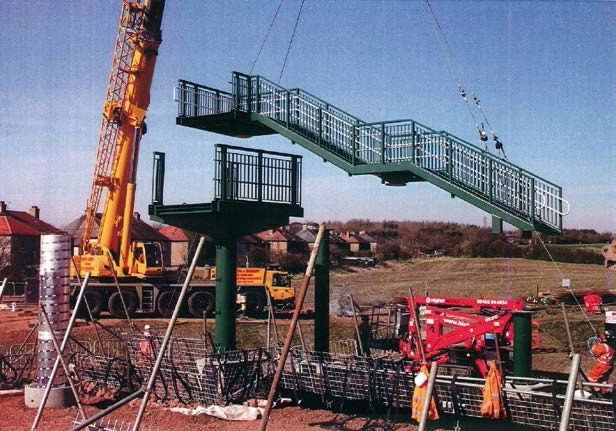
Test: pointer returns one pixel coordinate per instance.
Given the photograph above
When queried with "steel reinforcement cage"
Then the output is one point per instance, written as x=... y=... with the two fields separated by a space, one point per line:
x=190 y=373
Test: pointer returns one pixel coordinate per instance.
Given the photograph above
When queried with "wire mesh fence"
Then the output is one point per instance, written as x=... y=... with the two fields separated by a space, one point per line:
x=381 y=381
x=191 y=374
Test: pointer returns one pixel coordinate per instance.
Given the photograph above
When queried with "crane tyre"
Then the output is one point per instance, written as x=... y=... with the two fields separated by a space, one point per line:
x=255 y=302
x=166 y=301
x=201 y=302
x=114 y=304
x=95 y=302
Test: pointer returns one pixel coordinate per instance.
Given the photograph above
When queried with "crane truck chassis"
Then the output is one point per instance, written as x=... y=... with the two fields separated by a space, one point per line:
x=159 y=295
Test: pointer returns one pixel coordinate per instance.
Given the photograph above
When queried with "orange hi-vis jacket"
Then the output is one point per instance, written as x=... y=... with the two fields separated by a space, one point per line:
x=419 y=396
x=604 y=353
x=492 y=404
x=604 y=357
x=145 y=354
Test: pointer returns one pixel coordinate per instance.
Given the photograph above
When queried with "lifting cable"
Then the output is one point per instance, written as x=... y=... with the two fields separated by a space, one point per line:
x=254 y=63
x=451 y=59
x=299 y=13
x=562 y=277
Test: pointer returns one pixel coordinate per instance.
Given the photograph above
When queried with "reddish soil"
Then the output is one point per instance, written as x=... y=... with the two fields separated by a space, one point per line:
x=552 y=358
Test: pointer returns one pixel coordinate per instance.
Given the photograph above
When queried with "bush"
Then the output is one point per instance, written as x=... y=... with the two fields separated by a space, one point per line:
x=258 y=257
x=293 y=263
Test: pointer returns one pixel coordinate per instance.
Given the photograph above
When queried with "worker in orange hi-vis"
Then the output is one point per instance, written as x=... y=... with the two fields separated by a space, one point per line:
x=419 y=396
x=145 y=354
x=603 y=353
x=492 y=404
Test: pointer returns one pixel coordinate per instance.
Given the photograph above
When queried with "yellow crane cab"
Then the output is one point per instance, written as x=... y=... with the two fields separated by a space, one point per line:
x=146 y=259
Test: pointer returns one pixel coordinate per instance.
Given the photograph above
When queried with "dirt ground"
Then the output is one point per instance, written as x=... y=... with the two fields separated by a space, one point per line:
x=369 y=286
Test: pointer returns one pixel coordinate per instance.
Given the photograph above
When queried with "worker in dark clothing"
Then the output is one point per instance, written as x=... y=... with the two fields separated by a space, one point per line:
x=365 y=334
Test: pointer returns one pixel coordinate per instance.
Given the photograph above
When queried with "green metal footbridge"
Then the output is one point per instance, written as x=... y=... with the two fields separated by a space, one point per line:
x=398 y=152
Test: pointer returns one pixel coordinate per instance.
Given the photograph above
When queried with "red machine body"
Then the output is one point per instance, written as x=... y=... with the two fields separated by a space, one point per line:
x=461 y=330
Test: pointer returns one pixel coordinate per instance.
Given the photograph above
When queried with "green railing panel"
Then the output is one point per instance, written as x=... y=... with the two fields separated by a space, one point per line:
x=358 y=143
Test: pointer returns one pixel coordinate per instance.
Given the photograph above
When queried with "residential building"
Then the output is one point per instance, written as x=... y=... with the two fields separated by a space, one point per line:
x=20 y=240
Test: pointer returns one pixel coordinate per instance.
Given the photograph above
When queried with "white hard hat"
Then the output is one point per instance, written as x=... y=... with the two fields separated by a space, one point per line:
x=146 y=327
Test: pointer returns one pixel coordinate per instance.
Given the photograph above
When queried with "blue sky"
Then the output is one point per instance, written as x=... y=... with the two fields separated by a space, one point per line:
x=544 y=71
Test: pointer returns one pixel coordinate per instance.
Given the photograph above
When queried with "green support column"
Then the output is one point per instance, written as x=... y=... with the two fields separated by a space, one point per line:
x=321 y=296
x=226 y=265
x=522 y=344
x=497 y=224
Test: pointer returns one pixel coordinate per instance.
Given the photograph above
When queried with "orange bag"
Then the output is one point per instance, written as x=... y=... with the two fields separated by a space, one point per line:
x=419 y=396
x=492 y=404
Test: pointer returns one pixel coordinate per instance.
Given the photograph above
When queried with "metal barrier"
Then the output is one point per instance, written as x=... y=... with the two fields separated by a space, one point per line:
x=534 y=402
x=257 y=175
x=189 y=373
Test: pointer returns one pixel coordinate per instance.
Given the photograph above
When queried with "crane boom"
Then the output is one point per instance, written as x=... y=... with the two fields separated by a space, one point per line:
x=134 y=57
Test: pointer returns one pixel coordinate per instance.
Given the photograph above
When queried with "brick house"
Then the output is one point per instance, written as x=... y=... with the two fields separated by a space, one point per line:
x=140 y=231
x=20 y=240
x=359 y=241
x=281 y=241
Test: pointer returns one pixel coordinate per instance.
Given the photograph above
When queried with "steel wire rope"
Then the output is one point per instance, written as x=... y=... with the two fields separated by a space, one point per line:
x=299 y=13
x=254 y=63
x=562 y=277
x=451 y=58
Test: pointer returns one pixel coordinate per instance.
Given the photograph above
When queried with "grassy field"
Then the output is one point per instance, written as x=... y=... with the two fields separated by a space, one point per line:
x=497 y=277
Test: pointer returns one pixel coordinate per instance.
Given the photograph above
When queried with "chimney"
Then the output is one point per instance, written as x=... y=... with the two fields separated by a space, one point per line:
x=2 y=207
x=136 y=216
x=34 y=211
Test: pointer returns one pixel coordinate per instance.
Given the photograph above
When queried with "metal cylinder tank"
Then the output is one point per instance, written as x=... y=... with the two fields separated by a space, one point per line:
x=54 y=297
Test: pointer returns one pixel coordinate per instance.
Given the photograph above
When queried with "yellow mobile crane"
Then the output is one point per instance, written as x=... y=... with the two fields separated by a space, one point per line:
x=138 y=266
x=128 y=97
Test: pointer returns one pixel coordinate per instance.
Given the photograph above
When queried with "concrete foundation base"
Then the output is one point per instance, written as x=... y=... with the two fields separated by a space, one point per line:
x=58 y=397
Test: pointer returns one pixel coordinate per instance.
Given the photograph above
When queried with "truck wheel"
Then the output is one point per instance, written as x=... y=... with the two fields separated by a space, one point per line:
x=95 y=302
x=114 y=304
x=165 y=304
x=255 y=302
x=201 y=302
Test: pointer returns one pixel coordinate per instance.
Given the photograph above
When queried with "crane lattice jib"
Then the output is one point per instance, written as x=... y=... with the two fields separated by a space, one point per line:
x=129 y=27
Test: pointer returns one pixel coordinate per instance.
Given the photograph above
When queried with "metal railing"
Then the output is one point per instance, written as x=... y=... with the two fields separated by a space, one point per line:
x=257 y=175
x=195 y=100
x=481 y=174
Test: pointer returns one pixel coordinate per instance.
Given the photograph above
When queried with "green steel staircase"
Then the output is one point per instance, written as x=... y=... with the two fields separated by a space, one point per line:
x=398 y=152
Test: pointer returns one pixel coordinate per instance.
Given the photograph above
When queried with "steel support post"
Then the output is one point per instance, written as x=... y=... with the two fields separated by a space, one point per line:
x=573 y=375
x=497 y=224
x=321 y=296
x=299 y=302
x=2 y=286
x=522 y=344
x=226 y=265
x=425 y=409
x=167 y=337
